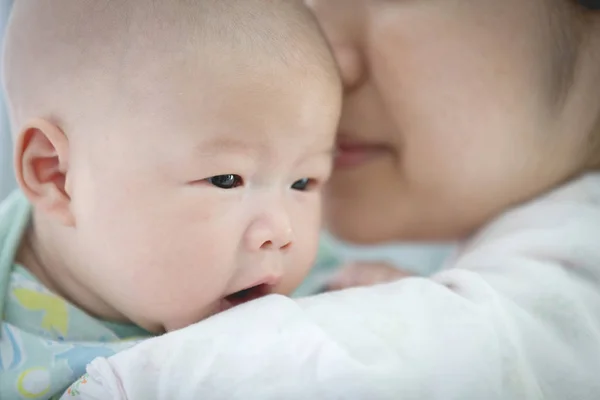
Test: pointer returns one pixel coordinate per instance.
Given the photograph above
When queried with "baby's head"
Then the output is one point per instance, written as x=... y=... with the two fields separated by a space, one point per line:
x=456 y=111
x=173 y=151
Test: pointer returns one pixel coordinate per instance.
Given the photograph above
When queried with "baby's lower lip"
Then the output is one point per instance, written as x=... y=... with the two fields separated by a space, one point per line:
x=224 y=305
x=244 y=296
x=349 y=156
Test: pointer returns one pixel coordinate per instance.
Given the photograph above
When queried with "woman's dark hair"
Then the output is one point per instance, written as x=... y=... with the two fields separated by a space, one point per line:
x=594 y=139
x=590 y=4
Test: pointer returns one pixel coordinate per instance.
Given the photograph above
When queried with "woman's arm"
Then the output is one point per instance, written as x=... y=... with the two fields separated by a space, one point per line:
x=489 y=337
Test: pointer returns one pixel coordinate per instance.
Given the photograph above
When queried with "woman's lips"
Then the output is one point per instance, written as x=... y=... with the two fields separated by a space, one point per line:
x=351 y=155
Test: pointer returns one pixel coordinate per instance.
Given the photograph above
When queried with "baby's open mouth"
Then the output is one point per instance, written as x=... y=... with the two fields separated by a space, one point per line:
x=246 y=295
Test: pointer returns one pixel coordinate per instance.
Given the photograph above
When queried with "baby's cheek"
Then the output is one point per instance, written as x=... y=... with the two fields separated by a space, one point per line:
x=174 y=290
x=298 y=266
x=176 y=308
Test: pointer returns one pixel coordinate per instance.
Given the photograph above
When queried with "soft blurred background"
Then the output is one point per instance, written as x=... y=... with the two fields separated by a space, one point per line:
x=420 y=259
x=7 y=183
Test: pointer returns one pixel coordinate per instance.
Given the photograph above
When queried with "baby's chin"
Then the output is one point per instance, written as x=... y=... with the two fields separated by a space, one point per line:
x=175 y=321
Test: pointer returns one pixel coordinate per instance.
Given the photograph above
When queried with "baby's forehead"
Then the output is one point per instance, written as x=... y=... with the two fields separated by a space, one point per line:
x=96 y=54
x=221 y=146
x=240 y=96
x=232 y=107
x=241 y=109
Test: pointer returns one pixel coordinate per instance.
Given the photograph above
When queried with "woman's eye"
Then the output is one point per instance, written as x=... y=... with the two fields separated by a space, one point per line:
x=228 y=181
x=302 y=184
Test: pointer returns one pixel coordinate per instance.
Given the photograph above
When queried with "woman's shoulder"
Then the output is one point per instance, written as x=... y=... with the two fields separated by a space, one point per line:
x=561 y=227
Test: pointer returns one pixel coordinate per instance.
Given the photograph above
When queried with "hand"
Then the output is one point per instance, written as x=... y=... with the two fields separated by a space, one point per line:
x=364 y=274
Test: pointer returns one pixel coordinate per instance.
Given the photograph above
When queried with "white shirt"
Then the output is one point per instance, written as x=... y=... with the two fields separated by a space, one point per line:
x=515 y=316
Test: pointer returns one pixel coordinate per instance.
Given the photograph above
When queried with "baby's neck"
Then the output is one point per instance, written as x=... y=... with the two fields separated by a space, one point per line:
x=50 y=254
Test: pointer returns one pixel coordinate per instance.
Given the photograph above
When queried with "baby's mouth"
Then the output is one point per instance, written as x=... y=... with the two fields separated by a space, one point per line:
x=245 y=295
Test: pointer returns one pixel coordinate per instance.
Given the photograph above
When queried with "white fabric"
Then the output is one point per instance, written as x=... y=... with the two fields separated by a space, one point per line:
x=516 y=316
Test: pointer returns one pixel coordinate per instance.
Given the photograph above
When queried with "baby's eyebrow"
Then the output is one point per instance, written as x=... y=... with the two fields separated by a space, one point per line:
x=321 y=152
x=217 y=145
x=331 y=151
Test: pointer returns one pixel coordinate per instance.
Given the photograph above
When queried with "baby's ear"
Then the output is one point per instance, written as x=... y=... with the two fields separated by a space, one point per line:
x=41 y=166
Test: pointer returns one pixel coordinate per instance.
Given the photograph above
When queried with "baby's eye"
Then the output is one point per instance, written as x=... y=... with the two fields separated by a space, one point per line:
x=303 y=184
x=228 y=181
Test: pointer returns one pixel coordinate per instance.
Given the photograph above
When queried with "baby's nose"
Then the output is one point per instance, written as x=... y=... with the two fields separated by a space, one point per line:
x=270 y=232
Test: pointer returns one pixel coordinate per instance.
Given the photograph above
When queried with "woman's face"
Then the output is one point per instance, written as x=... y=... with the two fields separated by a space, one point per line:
x=454 y=111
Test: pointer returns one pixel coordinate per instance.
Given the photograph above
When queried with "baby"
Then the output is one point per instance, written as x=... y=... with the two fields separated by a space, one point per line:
x=170 y=156
x=475 y=118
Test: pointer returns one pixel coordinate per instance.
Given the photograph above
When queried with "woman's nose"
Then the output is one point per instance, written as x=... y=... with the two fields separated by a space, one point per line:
x=343 y=23
x=350 y=65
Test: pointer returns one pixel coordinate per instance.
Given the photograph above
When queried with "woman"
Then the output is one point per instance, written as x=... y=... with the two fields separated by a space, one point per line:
x=459 y=117
x=445 y=96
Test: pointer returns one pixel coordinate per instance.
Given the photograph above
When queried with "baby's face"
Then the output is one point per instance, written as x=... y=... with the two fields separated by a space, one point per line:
x=202 y=191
